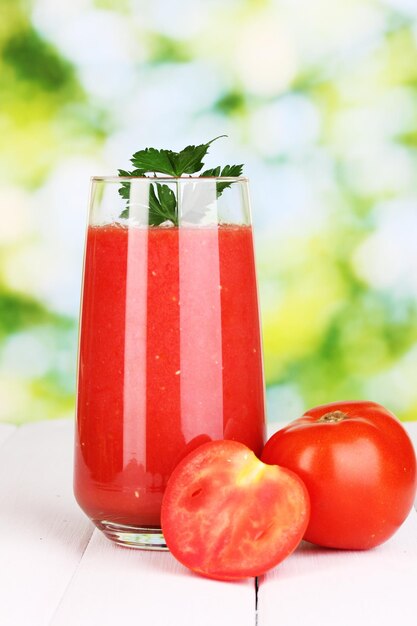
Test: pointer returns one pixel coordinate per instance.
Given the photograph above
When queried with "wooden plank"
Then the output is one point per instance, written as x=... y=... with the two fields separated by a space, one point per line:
x=43 y=533
x=6 y=430
x=116 y=585
x=317 y=586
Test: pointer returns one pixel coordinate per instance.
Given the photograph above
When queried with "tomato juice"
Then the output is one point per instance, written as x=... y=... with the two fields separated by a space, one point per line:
x=170 y=357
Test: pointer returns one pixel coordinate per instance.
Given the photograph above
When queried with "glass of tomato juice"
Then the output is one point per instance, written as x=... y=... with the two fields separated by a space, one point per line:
x=170 y=352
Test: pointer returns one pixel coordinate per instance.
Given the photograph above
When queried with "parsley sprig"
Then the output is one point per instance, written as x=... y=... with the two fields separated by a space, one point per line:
x=162 y=200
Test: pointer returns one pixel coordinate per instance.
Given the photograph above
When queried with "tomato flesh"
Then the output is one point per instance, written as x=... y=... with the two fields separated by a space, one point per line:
x=227 y=515
x=359 y=467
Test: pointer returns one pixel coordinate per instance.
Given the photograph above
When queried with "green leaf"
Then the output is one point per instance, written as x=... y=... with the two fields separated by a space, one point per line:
x=228 y=171
x=162 y=207
x=188 y=161
x=162 y=200
x=124 y=189
x=232 y=170
x=152 y=160
x=167 y=198
x=214 y=171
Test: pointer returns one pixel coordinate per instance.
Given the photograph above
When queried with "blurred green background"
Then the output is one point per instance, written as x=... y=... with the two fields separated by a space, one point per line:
x=319 y=100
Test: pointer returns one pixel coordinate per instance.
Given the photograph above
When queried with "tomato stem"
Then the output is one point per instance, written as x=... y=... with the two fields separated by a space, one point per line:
x=333 y=416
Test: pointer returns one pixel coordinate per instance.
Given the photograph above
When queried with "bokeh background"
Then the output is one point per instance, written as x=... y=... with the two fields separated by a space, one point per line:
x=319 y=100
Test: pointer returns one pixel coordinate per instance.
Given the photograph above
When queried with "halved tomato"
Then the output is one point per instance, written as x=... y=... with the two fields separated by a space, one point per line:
x=227 y=515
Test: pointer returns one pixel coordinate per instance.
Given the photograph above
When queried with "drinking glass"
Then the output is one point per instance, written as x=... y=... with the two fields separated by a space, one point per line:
x=170 y=350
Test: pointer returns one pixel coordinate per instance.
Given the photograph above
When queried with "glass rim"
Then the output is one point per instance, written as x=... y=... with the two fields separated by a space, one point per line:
x=171 y=179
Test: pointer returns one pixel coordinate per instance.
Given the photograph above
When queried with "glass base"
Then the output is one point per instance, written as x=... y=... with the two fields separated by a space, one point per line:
x=133 y=536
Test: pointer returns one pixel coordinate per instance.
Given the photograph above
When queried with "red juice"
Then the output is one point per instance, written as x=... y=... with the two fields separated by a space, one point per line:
x=170 y=357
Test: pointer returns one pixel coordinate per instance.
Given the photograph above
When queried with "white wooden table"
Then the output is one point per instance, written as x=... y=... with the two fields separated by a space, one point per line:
x=56 y=570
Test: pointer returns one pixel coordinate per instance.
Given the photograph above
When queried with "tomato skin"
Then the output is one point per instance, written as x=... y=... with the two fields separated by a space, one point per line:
x=226 y=515
x=359 y=470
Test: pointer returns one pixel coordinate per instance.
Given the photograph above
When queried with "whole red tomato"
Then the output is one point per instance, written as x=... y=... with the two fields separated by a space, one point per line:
x=359 y=467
